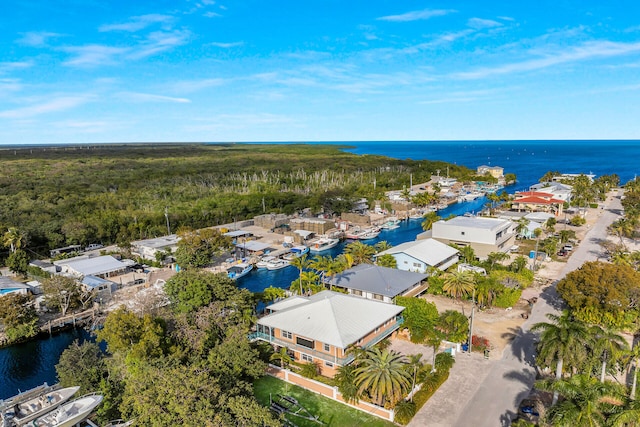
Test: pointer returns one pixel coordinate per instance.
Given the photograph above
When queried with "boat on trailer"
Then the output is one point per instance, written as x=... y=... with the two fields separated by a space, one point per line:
x=70 y=413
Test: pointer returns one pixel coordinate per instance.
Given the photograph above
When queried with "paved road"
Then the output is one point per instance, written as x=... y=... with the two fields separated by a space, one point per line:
x=509 y=380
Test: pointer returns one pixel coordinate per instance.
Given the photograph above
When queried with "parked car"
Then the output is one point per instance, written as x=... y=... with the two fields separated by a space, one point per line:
x=562 y=252
x=93 y=247
x=568 y=247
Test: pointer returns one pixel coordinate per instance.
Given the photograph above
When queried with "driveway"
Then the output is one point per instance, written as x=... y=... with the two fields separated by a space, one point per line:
x=483 y=393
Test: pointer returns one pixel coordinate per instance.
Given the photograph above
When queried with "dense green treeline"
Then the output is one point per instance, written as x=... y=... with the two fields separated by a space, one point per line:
x=73 y=195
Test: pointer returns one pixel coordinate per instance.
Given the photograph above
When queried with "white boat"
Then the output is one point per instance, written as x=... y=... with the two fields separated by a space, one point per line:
x=296 y=252
x=238 y=270
x=369 y=234
x=21 y=409
x=277 y=264
x=262 y=263
x=391 y=224
x=70 y=413
x=322 y=244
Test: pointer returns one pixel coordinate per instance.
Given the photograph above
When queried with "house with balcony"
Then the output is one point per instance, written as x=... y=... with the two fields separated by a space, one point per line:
x=322 y=327
x=422 y=255
x=378 y=283
x=537 y=201
x=484 y=235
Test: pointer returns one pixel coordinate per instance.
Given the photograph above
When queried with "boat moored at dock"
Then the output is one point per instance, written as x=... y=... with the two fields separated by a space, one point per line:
x=238 y=270
x=322 y=244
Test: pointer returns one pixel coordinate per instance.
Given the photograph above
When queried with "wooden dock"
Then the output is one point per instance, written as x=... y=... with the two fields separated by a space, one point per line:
x=70 y=320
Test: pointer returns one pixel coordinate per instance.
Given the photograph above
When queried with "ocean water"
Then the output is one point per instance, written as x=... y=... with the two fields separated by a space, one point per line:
x=27 y=365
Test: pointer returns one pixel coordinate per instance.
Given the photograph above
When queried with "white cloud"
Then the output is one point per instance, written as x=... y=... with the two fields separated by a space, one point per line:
x=147 y=97
x=586 y=51
x=160 y=41
x=6 y=67
x=225 y=45
x=137 y=23
x=479 y=23
x=190 y=86
x=93 y=55
x=416 y=15
x=10 y=85
x=37 y=38
x=55 y=105
x=211 y=15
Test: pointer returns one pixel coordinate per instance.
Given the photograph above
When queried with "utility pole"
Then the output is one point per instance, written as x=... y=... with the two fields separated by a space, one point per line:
x=166 y=215
x=473 y=306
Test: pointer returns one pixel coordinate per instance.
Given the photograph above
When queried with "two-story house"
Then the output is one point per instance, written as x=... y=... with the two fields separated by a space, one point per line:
x=421 y=255
x=320 y=328
x=484 y=235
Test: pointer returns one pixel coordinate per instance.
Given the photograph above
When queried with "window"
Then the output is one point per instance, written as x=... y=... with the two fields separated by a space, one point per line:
x=406 y=262
x=329 y=364
x=304 y=342
x=306 y=357
x=287 y=335
x=462 y=232
x=357 y=292
x=417 y=264
x=378 y=297
x=327 y=347
x=377 y=330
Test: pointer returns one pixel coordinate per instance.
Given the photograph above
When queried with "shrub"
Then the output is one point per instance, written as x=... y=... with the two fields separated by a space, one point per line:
x=479 y=343
x=309 y=370
x=404 y=411
x=577 y=221
x=508 y=298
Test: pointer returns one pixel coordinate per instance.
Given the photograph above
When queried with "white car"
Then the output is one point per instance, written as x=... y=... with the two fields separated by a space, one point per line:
x=93 y=247
x=568 y=247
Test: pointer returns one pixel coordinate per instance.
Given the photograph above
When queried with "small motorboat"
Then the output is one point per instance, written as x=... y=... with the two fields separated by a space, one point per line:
x=23 y=408
x=264 y=261
x=296 y=252
x=277 y=264
x=322 y=244
x=70 y=413
x=236 y=271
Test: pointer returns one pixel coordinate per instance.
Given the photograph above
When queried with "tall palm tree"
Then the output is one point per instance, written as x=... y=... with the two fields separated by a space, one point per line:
x=632 y=359
x=468 y=254
x=320 y=264
x=414 y=364
x=626 y=416
x=522 y=226
x=345 y=380
x=459 y=284
x=13 y=238
x=561 y=341
x=301 y=263
x=429 y=219
x=587 y=402
x=383 y=375
x=608 y=345
x=361 y=252
x=495 y=257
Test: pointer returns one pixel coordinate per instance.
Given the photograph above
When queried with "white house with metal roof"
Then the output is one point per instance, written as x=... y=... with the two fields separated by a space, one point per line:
x=321 y=327
x=102 y=266
x=484 y=235
x=9 y=286
x=420 y=255
x=148 y=248
x=379 y=283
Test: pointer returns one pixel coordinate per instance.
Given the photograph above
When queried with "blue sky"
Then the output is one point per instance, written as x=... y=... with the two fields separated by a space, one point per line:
x=85 y=71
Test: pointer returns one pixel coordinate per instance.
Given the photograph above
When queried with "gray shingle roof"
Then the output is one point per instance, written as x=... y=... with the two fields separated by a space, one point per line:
x=385 y=281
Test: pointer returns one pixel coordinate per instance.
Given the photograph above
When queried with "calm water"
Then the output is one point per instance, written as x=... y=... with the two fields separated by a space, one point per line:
x=27 y=365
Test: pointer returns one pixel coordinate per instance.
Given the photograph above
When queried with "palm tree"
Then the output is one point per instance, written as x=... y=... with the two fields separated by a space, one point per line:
x=626 y=416
x=429 y=219
x=459 y=284
x=522 y=227
x=320 y=264
x=632 y=357
x=414 y=365
x=361 y=252
x=563 y=340
x=468 y=254
x=587 y=402
x=301 y=263
x=345 y=380
x=311 y=279
x=383 y=375
x=13 y=238
x=387 y=260
x=382 y=246
x=282 y=355
x=608 y=345
x=495 y=257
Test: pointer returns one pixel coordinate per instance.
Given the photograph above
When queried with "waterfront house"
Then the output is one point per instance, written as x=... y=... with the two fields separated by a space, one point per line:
x=379 y=283
x=320 y=328
x=557 y=189
x=494 y=171
x=537 y=201
x=484 y=235
x=421 y=255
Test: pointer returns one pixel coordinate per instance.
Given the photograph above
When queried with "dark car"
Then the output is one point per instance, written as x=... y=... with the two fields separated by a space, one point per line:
x=562 y=252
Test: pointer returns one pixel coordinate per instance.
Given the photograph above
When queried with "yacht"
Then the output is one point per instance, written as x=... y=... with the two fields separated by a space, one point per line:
x=391 y=224
x=277 y=264
x=369 y=234
x=296 y=252
x=69 y=414
x=27 y=406
x=238 y=270
x=322 y=244
x=262 y=263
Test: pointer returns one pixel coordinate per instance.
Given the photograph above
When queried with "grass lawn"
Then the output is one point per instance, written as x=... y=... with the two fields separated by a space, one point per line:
x=331 y=413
